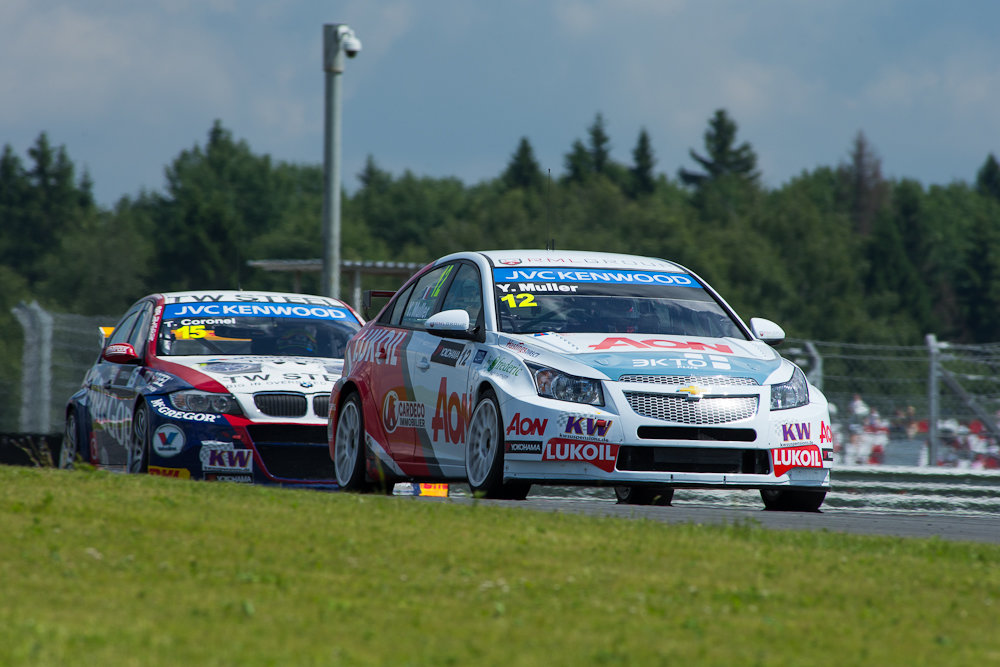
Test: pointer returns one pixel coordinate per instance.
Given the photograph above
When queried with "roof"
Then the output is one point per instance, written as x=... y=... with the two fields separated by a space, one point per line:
x=579 y=259
x=255 y=296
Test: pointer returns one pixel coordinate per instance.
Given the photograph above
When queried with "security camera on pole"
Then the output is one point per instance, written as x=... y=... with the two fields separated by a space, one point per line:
x=338 y=39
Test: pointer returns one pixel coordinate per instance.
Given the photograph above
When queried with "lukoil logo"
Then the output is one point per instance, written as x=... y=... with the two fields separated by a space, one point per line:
x=598 y=454
x=786 y=458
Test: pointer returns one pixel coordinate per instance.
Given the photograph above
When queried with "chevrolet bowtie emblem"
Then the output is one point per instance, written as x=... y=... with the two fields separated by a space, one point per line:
x=693 y=393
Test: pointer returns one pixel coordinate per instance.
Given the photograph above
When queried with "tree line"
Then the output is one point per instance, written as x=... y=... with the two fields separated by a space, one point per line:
x=838 y=253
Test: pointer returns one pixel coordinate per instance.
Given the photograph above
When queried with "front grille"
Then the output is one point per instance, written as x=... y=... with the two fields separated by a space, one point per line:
x=281 y=404
x=321 y=405
x=703 y=433
x=293 y=451
x=701 y=380
x=679 y=409
x=287 y=433
x=693 y=459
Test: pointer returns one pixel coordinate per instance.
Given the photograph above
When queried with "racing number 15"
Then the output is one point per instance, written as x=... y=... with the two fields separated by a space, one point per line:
x=526 y=300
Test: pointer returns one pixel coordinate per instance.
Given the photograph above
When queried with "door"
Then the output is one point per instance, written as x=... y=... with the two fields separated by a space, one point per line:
x=439 y=373
x=111 y=391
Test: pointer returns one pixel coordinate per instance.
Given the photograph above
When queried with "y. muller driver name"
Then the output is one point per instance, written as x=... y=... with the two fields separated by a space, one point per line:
x=537 y=287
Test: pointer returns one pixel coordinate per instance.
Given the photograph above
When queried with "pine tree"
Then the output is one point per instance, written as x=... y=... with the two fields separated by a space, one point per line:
x=988 y=178
x=642 y=181
x=579 y=163
x=600 y=149
x=724 y=157
x=523 y=170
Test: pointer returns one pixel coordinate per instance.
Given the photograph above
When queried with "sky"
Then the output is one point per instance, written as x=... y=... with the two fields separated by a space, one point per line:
x=447 y=88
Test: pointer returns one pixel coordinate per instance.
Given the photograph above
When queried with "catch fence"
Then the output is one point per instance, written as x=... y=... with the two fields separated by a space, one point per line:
x=894 y=405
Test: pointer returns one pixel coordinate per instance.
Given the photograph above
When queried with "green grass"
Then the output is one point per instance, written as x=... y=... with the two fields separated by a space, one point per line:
x=101 y=569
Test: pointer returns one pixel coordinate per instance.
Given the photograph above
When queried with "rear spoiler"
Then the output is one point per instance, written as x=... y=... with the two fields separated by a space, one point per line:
x=368 y=295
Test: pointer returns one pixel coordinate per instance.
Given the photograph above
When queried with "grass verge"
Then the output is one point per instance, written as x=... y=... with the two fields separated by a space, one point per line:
x=110 y=569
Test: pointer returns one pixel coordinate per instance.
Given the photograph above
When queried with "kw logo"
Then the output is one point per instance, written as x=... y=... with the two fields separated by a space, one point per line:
x=587 y=426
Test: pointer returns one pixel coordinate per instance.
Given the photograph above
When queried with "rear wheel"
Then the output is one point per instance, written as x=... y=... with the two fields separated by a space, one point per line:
x=349 y=446
x=792 y=500
x=138 y=451
x=69 y=449
x=644 y=495
x=484 y=453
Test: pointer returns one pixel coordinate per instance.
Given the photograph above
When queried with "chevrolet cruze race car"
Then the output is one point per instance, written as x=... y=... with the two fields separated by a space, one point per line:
x=508 y=368
x=225 y=385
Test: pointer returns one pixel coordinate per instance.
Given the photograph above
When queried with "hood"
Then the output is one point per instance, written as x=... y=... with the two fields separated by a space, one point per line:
x=615 y=354
x=250 y=374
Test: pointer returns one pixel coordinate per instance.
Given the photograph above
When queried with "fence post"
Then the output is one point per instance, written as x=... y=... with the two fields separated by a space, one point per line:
x=932 y=398
x=36 y=367
x=816 y=372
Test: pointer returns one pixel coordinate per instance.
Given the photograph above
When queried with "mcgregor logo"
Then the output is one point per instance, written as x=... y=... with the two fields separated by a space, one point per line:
x=786 y=458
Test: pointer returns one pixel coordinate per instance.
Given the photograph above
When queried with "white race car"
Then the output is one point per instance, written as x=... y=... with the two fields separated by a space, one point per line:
x=505 y=369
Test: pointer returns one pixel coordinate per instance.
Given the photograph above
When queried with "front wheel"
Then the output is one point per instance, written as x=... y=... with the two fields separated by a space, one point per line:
x=484 y=453
x=792 y=500
x=138 y=451
x=644 y=495
x=349 y=447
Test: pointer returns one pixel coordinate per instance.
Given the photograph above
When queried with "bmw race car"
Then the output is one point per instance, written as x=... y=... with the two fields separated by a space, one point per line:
x=225 y=385
x=505 y=369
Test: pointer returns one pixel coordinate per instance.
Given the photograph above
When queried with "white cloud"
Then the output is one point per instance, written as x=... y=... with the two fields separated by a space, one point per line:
x=96 y=64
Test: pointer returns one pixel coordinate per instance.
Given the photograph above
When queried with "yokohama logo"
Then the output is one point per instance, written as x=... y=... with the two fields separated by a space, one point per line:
x=786 y=458
x=601 y=455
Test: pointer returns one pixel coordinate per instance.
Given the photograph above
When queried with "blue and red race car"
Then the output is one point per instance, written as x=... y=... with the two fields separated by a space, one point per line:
x=225 y=385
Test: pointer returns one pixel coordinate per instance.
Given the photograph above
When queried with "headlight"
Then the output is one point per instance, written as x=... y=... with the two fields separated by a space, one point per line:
x=791 y=394
x=551 y=383
x=192 y=400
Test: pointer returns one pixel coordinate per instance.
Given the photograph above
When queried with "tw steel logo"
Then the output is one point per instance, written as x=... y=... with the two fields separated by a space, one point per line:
x=588 y=426
x=661 y=344
x=786 y=458
x=598 y=454
x=526 y=426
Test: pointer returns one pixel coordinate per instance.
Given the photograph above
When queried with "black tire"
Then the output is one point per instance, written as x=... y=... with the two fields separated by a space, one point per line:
x=69 y=449
x=792 y=500
x=484 y=453
x=138 y=447
x=644 y=495
x=349 y=446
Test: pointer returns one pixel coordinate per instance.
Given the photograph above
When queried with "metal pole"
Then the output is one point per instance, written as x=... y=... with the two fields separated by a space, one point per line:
x=333 y=65
x=932 y=399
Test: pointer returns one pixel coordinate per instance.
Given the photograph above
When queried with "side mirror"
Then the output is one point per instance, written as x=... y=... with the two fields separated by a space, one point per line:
x=120 y=353
x=449 y=323
x=767 y=331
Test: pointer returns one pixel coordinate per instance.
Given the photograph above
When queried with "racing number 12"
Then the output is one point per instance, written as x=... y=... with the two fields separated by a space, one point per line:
x=526 y=300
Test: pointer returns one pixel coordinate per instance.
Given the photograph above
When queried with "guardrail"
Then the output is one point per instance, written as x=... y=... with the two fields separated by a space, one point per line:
x=873 y=488
x=914 y=489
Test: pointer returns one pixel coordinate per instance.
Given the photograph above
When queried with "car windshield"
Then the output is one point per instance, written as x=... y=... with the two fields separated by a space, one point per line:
x=258 y=329
x=538 y=300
